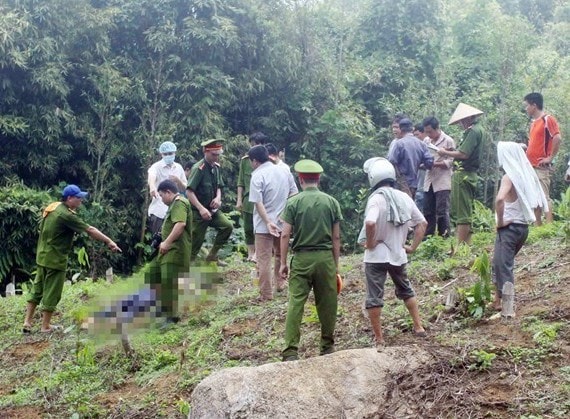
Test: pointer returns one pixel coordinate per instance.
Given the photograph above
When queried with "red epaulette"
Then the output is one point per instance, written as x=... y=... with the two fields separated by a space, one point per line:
x=201 y=167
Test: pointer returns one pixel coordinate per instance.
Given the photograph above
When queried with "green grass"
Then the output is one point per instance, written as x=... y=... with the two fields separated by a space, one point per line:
x=68 y=374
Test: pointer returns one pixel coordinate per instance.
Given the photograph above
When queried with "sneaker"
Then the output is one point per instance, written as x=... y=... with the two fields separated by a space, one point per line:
x=287 y=358
x=380 y=345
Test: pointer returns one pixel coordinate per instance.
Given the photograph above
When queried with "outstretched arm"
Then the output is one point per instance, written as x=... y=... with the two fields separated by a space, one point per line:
x=94 y=233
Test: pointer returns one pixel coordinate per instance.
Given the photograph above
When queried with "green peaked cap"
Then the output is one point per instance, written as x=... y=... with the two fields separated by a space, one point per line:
x=210 y=142
x=308 y=166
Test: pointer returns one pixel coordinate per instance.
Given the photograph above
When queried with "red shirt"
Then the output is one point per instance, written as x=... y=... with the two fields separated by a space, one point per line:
x=536 y=148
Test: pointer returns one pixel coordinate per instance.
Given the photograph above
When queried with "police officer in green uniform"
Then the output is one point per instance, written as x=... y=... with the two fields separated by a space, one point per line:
x=313 y=219
x=173 y=259
x=205 y=194
x=57 y=229
x=243 y=204
x=468 y=159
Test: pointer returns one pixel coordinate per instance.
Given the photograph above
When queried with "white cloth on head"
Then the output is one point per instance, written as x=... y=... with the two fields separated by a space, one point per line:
x=513 y=160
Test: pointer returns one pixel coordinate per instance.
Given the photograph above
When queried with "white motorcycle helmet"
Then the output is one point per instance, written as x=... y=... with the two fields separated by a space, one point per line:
x=379 y=169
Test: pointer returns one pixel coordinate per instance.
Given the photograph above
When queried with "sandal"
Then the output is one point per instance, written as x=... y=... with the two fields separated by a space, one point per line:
x=52 y=328
x=420 y=334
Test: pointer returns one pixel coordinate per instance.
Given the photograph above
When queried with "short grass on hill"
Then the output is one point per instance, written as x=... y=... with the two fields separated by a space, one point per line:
x=501 y=369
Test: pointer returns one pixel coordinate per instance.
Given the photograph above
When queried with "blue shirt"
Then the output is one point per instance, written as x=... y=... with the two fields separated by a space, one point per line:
x=407 y=155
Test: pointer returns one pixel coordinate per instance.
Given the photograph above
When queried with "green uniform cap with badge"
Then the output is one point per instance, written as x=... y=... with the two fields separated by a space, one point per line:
x=214 y=145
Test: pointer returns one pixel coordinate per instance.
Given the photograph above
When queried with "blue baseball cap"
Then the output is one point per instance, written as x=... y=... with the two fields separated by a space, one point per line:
x=73 y=190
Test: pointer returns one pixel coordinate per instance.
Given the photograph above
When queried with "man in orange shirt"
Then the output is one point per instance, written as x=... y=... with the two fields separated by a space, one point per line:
x=543 y=144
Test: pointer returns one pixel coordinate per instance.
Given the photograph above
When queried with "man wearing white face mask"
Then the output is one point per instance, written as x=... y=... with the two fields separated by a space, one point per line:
x=164 y=169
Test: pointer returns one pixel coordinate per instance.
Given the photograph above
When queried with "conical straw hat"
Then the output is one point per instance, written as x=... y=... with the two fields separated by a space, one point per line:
x=464 y=111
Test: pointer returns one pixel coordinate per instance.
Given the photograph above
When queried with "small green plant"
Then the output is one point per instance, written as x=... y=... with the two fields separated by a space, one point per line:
x=479 y=295
x=445 y=269
x=433 y=248
x=543 y=334
x=483 y=218
x=183 y=407
x=85 y=353
x=163 y=359
x=482 y=360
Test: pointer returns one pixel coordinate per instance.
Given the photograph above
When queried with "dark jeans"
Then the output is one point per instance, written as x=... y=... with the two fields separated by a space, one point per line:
x=509 y=241
x=436 y=211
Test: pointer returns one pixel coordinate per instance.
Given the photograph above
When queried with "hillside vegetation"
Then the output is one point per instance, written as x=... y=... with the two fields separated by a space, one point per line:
x=486 y=366
x=90 y=88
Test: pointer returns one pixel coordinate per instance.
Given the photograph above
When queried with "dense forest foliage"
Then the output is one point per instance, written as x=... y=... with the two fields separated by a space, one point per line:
x=90 y=88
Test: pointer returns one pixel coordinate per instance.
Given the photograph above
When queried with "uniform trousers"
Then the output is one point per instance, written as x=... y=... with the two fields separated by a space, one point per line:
x=219 y=222
x=314 y=270
x=47 y=288
x=163 y=278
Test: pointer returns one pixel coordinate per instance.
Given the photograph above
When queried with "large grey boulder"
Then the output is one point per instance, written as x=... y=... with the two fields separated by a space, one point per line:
x=347 y=384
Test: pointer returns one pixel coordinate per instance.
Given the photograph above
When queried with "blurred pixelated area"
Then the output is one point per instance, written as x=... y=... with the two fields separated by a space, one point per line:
x=139 y=305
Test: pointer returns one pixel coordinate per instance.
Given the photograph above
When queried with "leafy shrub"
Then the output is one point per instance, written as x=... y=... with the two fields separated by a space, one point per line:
x=433 y=248
x=483 y=218
x=544 y=231
x=20 y=212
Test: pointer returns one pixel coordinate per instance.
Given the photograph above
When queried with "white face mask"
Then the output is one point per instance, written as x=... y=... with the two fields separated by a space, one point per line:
x=168 y=159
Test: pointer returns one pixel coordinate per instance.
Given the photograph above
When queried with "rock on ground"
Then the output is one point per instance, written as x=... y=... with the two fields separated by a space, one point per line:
x=355 y=383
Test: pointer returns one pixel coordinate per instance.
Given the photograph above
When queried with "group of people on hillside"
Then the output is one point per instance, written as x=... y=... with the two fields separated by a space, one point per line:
x=450 y=178
x=186 y=202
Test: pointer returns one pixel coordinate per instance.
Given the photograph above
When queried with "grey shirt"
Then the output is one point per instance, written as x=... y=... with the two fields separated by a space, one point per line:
x=271 y=185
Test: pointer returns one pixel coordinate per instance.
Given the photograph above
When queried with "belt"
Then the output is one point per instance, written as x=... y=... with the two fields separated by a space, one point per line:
x=311 y=250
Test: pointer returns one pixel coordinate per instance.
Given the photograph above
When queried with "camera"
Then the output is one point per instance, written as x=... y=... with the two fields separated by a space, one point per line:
x=156 y=240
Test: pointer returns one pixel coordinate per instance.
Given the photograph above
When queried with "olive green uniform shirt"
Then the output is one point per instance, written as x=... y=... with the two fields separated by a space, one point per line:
x=178 y=212
x=57 y=229
x=472 y=146
x=204 y=182
x=312 y=214
x=244 y=180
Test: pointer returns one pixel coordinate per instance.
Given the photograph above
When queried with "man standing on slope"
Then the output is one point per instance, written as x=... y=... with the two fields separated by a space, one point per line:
x=164 y=169
x=543 y=144
x=270 y=187
x=57 y=230
x=243 y=204
x=389 y=213
x=465 y=178
x=204 y=192
x=313 y=219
